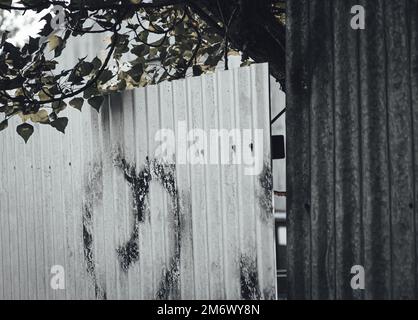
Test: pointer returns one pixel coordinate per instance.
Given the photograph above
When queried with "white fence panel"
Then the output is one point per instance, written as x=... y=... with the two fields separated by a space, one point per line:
x=123 y=222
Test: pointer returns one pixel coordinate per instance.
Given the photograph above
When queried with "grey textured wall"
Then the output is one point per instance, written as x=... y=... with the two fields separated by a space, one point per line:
x=352 y=154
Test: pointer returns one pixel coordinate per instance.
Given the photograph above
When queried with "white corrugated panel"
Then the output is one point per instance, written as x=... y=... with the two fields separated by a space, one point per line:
x=124 y=223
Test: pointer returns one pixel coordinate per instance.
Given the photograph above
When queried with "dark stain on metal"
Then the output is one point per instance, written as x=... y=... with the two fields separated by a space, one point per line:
x=170 y=280
x=249 y=279
x=88 y=240
x=165 y=175
x=88 y=252
x=129 y=253
x=93 y=194
x=169 y=283
x=139 y=183
x=266 y=195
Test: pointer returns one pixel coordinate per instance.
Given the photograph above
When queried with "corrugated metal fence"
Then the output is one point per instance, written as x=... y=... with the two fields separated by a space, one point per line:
x=352 y=122
x=125 y=224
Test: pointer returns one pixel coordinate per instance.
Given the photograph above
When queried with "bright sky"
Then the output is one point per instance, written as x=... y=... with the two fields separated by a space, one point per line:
x=28 y=25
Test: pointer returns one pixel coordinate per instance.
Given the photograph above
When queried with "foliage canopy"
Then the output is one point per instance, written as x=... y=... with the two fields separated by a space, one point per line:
x=148 y=42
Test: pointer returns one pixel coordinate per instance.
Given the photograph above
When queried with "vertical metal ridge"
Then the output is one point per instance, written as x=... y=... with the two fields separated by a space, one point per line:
x=206 y=179
x=410 y=41
x=221 y=193
x=360 y=150
x=414 y=108
x=388 y=143
x=334 y=235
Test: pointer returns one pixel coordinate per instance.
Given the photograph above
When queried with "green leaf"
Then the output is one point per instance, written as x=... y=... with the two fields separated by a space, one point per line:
x=77 y=103
x=96 y=102
x=105 y=76
x=58 y=106
x=60 y=124
x=41 y=117
x=136 y=72
x=91 y=92
x=25 y=130
x=97 y=63
x=4 y=124
x=140 y=50
x=54 y=42
x=197 y=70
x=85 y=68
